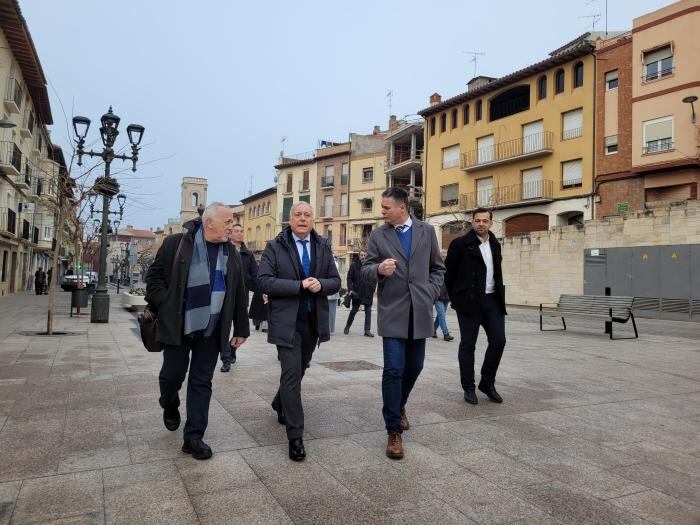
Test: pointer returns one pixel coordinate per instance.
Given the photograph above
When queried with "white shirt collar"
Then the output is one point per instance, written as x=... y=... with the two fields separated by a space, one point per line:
x=297 y=238
x=408 y=223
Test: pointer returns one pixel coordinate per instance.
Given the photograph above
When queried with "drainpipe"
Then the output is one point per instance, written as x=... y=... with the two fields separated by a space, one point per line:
x=594 y=158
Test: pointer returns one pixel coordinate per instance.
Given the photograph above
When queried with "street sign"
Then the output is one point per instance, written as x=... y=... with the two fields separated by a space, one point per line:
x=623 y=208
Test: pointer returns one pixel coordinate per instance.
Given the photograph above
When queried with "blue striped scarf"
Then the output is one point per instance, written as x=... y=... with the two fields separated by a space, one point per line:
x=202 y=303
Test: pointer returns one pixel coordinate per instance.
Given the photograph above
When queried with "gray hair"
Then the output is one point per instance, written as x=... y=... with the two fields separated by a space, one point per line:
x=296 y=205
x=211 y=209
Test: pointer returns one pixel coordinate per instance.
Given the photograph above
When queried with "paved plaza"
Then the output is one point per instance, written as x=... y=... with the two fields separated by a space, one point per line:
x=591 y=431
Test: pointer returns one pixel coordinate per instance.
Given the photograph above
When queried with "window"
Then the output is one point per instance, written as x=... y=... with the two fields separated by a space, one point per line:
x=450 y=157
x=288 y=188
x=327 y=206
x=267 y=232
x=542 y=87
x=532 y=183
x=611 y=80
x=484 y=149
x=658 y=135
x=367 y=174
x=478 y=110
x=658 y=63
x=510 y=102
x=366 y=204
x=449 y=195
x=194 y=200
x=533 y=136
x=257 y=234
x=329 y=234
x=343 y=204
x=249 y=236
x=484 y=191
x=572 y=124
x=432 y=126
x=465 y=114
x=559 y=81
x=345 y=173
x=455 y=117
x=578 y=74
x=305 y=181
x=4 y=265
x=443 y=123
x=343 y=234
x=611 y=144
x=327 y=180
x=572 y=173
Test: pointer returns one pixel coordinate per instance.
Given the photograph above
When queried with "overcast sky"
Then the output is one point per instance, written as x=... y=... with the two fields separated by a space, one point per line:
x=218 y=83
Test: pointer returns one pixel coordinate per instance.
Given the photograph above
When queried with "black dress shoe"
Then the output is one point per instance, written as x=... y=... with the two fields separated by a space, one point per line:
x=198 y=448
x=226 y=366
x=233 y=355
x=346 y=330
x=368 y=333
x=490 y=390
x=171 y=419
x=296 y=449
x=470 y=396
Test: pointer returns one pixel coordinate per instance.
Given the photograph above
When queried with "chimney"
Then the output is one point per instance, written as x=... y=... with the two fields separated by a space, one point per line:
x=393 y=123
x=477 y=82
x=376 y=130
x=129 y=227
x=435 y=98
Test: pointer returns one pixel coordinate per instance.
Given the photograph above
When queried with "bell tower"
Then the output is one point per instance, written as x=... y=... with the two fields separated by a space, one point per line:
x=194 y=193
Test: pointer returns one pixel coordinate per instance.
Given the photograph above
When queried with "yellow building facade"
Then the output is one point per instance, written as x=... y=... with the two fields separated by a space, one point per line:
x=521 y=145
x=260 y=223
x=296 y=181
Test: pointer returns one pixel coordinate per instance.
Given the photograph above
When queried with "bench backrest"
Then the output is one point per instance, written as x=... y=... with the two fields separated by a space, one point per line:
x=597 y=304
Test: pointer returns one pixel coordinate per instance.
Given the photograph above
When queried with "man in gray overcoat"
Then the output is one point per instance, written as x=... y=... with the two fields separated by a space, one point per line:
x=404 y=258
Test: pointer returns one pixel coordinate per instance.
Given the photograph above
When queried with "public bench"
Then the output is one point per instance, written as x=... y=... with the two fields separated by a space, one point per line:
x=611 y=309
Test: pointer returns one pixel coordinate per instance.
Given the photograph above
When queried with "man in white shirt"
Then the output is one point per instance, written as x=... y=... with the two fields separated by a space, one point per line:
x=474 y=283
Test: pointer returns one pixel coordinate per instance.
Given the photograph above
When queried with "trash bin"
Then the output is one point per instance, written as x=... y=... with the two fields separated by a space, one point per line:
x=78 y=299
x=90 y=288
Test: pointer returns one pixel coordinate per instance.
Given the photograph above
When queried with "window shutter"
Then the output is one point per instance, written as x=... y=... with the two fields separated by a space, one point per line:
x=573 y=120
x=611 y=140
x=450 y=157
x=532 y=183
x=572 y=172
x=658 y=130
x=611 y=75
x=658 y=54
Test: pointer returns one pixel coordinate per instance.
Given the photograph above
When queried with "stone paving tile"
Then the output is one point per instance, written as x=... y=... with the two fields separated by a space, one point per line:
x=146 y=493
x=224 y=471
x=428 y=515
x=250 y=504
x=671 y=482
x=481 y=500
x=659 y=508
x=647 y=452
x=56 y=497
x=8 y=495
x=500 y=469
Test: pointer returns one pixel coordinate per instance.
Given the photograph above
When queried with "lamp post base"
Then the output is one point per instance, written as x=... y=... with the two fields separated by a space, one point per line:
x=99 y=313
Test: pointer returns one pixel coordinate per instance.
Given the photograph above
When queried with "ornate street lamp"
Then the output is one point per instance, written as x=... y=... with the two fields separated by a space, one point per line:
x=107 y=187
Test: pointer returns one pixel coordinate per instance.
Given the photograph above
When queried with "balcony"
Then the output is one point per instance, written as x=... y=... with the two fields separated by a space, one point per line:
x=26 y=230
x=403 y=158
x=326 y=212
x=573 y=133
x=517 y=194
x=10 y=159
x=534 y=145
x=13 y=96
x=8 y=221
x=327 y=181
x=24 y=181
x=27 y=128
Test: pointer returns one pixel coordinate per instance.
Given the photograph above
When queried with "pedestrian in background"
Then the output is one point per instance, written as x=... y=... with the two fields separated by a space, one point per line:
x=362 y=293
x=441 y=308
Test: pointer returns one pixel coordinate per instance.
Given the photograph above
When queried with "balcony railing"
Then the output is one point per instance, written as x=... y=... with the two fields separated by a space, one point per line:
x=658 y=146
x=327 y=181
x=344 y=179
x=8 y=220
x=403 y=154
x=506 y=195
x=509 y=151
x=13 y=95
x=572 y=133
x=650 y=76
x=10 y=157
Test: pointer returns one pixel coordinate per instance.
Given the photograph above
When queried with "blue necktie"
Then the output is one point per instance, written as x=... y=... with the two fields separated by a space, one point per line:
x=402 y=228
x=305 y=259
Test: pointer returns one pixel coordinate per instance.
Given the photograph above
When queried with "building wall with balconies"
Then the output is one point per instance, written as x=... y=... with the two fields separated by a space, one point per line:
x=260 y=223
x=367 y=182
x=296 y=181
x=454 y=155
x=665 y=70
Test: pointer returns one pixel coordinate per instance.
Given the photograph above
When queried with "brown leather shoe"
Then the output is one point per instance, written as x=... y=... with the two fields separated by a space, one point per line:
x=405 y=425
x=394 y=447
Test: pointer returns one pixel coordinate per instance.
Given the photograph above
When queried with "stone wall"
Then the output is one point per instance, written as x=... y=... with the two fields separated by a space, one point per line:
x=539 y=267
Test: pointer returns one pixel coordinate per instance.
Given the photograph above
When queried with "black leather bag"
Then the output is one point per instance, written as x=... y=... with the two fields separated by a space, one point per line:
x=149 y=317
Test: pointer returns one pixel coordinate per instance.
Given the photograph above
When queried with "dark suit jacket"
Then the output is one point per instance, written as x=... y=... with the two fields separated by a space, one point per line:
x=466 y=273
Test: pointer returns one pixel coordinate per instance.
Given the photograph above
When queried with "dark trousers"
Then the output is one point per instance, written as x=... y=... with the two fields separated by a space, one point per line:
x=294 y=361
x=176 y=359
x=491 y=317
x=228 y=354
x=368 y=314
x=403 y=362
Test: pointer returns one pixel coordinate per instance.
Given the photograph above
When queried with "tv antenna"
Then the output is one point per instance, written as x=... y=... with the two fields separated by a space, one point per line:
x=475 y=56
x=250 y=191
x=390 y=95
x=283 y=140
x=594 y=19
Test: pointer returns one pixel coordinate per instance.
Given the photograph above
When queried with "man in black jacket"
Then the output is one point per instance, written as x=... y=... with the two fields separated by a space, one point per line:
x=195 y=316
x=250 y=272
x=362 y=294
x=298 y=273
x=475 y=285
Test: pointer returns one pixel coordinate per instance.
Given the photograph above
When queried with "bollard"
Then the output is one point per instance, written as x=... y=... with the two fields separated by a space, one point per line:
x=608 y=324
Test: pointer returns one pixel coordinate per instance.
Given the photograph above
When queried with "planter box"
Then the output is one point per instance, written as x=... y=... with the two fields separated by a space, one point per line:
x=134 y=302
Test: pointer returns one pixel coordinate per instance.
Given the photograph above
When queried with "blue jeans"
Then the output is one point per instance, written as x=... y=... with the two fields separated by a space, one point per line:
x=403 y=362
x=441 y=307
